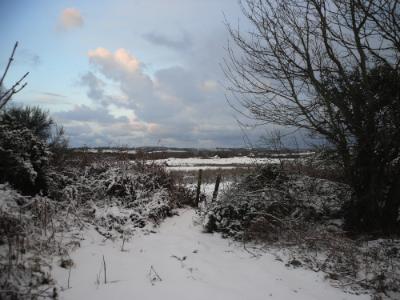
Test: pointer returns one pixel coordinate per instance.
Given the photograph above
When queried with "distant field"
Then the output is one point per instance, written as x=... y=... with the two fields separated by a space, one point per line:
x=186 y=163
x=164 y=153
x=229 y=168
x=216 y=161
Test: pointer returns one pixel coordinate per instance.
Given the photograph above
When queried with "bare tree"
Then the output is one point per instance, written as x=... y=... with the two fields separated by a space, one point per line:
x=330 y=67
x=6 y=94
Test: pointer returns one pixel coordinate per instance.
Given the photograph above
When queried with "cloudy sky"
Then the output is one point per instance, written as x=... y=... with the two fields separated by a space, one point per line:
x=125 y=72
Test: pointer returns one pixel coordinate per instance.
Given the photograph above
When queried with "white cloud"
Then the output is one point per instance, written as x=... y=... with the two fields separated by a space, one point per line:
x=178 y=105
x=209 y=85
x=86 y=125
x=70 y=18
x=114 y=65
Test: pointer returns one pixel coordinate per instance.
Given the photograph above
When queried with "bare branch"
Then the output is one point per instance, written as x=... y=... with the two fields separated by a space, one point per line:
x=17 y=87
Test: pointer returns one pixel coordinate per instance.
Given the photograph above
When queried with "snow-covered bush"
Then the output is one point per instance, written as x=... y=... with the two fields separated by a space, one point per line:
x=116 y=197
x=29 y=238
x=29 y=142
x=119 y=196
x=270 y=205
x=301 y=217
x=33 y=118
x=24 y=160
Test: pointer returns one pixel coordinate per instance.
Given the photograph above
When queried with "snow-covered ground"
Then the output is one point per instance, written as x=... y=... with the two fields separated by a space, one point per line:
x=91 y=150
x=198 y=167
x=216 y=161
x=178 y=261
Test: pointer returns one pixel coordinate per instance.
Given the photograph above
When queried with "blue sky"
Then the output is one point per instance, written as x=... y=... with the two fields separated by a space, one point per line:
x=138 y=72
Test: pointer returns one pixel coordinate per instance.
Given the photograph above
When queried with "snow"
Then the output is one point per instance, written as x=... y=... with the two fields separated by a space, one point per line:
x=306 y=153
x=233 y=161
x=196 y=168
x=91 y=150
x=169 y=151
x=178 y=261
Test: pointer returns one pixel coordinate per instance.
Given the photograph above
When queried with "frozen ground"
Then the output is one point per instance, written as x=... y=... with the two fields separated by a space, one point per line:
x=216 y=161
x=198 y=167
x=178 y=261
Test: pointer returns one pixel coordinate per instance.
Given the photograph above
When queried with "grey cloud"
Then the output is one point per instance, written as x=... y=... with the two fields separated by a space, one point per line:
x=26 y=56
x=186 y=102
x=95 y=86
x=78 y=130
x=182 y=42
x=190 y=137
x=174 y=98
x=110 y=131
x=97 y=126
x=179 y=82
x=96 y=91
x=85 y=113
x=50 y=94
x=35 y=59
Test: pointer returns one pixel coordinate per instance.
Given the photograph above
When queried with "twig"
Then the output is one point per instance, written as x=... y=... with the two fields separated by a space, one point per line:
x=153 y=276
x=6 y=96
x=69 y=276
x=123 y=243
x=10 y=60
x=29 y=293
x=247 y=250
x=351 y=282
x=181 y=259
x=105 y=270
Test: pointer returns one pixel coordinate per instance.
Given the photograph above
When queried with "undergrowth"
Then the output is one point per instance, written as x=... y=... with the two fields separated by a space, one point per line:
x=302 y=217
x=114 y=197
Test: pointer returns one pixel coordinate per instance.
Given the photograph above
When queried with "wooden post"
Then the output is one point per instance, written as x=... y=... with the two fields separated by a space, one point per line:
x=198 y=188
x=215 y=193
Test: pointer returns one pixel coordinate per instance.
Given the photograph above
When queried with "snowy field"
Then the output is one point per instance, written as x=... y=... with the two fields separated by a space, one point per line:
x=214 y=163
x=178 y=261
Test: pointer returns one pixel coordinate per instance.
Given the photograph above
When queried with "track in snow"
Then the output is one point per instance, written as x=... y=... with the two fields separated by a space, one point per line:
x=190 y=265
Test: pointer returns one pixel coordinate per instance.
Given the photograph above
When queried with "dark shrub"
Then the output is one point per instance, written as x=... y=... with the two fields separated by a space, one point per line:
x=23 y=160
x=29 y=117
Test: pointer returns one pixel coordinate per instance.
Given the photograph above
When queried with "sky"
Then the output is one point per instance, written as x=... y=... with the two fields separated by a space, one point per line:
x=126 y=72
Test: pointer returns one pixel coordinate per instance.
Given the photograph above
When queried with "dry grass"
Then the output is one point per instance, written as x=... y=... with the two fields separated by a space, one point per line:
x=210 y=175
